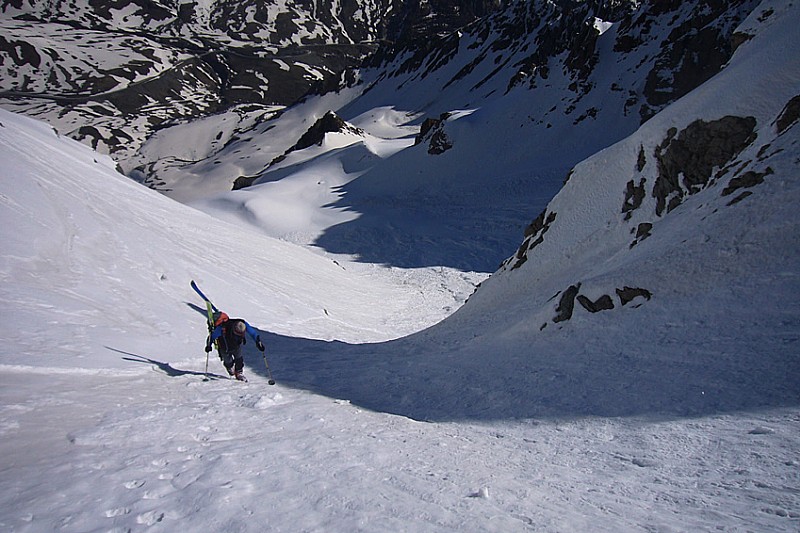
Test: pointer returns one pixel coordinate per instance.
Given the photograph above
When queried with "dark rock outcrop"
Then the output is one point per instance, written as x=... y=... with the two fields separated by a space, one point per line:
x=634 y=195
x=789 y=116
x=432 y=132
x=749 y=179
x=565 y=309
x=534 y=236
x=699 y=43
x=604 y=303
x=642 y=232
x=567 y=304
x=330 y=122
x=686 y=159
x=628 y=294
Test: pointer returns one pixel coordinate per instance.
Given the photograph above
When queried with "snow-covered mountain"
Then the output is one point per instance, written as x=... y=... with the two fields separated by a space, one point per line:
x=543 y=67
x=632 y=364
x=110 y=74
x=477 y=129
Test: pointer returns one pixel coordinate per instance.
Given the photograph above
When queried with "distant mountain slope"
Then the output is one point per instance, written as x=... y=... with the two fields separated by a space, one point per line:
x=112 y=73
x=499 y=112
x=270 y=24
x=177 y=63
x=502 y=110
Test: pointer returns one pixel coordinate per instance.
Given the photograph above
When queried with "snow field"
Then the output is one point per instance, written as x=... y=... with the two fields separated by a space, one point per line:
x=176 y=452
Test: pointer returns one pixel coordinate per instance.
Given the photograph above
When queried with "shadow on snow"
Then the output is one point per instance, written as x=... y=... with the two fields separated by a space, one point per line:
x=425 y=380
x=435 y=217
x=449 y=377
x=164 y=367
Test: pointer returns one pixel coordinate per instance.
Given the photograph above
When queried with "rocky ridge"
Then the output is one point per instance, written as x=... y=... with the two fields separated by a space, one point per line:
x=689 y=172
x=112 y=73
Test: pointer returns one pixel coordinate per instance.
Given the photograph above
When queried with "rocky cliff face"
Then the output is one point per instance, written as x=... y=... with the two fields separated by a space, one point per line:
x=699 y=41
x=662 y=50
x=111 y=73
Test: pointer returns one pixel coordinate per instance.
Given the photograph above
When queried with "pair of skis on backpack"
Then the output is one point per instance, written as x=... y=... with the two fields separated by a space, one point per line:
x=210 y=310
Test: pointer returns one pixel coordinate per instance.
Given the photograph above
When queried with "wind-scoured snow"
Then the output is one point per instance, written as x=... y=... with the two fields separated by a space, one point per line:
x=398 y=407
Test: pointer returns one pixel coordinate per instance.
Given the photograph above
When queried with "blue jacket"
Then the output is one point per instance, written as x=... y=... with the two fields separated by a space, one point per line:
x=231 y=340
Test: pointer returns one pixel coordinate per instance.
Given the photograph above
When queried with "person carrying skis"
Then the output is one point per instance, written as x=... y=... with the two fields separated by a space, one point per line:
x=230 y=334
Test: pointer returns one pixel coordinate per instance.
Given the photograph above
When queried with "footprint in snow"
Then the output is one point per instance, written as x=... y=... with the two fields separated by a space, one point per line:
x=641 y=462
x=134 y=484
x=150 y=518
x=482 y=493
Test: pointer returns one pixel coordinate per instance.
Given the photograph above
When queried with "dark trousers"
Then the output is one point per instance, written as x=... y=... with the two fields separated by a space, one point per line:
x=233 y=359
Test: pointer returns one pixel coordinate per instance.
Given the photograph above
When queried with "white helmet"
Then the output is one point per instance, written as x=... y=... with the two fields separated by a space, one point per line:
x=239 y=328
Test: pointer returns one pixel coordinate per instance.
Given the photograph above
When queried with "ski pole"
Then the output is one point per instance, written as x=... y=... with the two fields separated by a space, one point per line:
x=269 y=374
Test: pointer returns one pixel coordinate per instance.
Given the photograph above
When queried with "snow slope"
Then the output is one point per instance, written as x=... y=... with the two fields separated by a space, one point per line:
x=673 y=413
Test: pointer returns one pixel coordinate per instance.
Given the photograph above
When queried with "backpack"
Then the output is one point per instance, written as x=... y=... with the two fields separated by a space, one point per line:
x=220 y=317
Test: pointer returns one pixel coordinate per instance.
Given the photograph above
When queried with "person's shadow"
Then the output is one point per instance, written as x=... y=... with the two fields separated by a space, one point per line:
x=164 y=367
